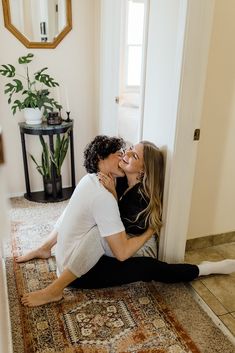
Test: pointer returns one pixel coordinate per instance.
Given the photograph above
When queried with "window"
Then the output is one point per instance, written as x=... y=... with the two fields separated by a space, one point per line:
x=133 y=44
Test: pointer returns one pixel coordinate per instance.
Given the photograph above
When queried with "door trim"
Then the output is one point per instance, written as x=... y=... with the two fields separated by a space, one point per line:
x=180 y=165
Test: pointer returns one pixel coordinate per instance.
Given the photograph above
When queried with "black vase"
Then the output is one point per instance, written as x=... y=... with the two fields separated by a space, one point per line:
x=48 y=186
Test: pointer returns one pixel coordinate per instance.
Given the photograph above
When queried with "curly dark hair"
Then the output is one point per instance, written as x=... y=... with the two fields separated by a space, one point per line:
x=100 y=148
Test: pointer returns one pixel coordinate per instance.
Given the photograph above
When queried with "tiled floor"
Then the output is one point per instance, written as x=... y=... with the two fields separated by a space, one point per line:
x=218 y=291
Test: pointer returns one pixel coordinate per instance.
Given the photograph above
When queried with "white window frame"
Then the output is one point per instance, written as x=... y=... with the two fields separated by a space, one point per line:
x=124 y=52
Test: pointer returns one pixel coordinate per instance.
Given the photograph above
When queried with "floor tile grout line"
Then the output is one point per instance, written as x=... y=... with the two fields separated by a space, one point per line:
x=214 y=297
x=212 y=315
x=219 y=300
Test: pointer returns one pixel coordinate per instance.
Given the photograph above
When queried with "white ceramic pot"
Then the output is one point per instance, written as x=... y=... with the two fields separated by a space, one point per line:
x=33 y=116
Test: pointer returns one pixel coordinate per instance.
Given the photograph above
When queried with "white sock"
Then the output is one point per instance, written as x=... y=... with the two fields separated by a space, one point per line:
x=219 y=267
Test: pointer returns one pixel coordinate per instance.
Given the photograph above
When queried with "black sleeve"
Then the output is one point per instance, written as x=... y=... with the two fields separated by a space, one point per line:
x=130 y=205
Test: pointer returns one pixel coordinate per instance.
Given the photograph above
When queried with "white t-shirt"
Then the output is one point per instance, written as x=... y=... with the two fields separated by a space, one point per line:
x=90 y=205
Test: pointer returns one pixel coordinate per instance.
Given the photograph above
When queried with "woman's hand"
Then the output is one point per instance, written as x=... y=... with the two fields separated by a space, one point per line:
x=108 y=181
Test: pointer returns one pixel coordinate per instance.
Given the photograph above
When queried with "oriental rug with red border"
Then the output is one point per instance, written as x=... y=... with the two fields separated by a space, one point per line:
x=132 y=318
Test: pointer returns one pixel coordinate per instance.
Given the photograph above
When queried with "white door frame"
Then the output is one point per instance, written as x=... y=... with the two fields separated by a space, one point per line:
x=199 y=19
x=176 y=63
x=177 y=56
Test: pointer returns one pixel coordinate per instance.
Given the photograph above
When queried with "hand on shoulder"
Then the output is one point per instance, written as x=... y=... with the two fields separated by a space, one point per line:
x=108 y=181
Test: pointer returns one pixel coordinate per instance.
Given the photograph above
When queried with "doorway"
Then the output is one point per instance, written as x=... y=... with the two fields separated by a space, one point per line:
x=177 y=48
x=132 y=35
x=123 y=27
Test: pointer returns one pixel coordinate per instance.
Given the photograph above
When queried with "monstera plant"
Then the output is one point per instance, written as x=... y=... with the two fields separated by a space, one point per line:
x=29 y=91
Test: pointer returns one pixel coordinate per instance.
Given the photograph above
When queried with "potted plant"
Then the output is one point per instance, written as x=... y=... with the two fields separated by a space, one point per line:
x=31 y=92
x=50 y=161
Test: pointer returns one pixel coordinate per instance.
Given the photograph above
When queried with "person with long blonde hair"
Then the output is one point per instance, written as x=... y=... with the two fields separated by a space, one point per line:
x=151 y=182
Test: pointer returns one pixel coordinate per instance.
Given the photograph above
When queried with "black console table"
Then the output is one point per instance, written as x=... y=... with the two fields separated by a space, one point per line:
x=50 y=130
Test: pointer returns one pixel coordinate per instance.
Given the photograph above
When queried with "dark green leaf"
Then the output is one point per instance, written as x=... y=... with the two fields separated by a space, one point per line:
x=26 y=59
x=45 y=78
x=10 y=87
x=8 y=71
x=17 y=105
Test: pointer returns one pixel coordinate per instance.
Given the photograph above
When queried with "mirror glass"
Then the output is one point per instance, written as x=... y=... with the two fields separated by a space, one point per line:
x=38 y=23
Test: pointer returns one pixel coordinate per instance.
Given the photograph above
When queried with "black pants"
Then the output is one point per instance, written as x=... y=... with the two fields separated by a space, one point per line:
x=110 y=272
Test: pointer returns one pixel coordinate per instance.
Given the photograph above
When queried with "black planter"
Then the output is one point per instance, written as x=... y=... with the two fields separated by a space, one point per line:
x=48 y=186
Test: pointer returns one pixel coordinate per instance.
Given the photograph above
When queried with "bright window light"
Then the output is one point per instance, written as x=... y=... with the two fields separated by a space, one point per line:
x=135 y=23
x=134 y=41
x=134 y=65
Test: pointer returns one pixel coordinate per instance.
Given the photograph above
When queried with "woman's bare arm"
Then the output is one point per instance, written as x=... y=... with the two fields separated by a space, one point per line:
x=124 y=247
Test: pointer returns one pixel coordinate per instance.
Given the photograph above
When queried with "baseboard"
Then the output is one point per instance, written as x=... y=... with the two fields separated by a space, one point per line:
x=16 y=194
x=210 y=240
x=21 y=194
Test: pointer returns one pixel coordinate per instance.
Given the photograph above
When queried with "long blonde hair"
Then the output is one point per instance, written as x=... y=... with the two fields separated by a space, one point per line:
x=152 y=185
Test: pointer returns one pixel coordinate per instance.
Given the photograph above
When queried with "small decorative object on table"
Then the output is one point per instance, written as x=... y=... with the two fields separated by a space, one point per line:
x=54 y=118
x=68 y=118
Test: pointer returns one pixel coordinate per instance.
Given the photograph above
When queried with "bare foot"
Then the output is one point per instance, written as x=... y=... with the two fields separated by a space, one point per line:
x=41 y=297
x=40 y=253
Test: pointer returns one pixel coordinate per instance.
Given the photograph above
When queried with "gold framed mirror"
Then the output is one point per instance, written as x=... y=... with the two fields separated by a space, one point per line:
x=38 y=24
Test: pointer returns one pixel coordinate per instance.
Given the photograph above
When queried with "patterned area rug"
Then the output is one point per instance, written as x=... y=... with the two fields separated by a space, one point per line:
x=135 y=318
x=125 y=319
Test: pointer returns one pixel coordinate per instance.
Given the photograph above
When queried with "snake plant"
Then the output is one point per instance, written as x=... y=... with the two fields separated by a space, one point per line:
x=48 y=157
x=61 y=148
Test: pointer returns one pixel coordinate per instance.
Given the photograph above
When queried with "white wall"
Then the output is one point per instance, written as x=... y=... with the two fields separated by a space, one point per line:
x=213 y=199
x=73 y=64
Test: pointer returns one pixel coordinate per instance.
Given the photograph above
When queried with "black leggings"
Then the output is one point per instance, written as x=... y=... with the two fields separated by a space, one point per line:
x=110 y=272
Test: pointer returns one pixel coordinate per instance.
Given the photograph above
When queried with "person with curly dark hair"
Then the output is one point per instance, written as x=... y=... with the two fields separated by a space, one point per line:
x=99 y=149
x=91 y=207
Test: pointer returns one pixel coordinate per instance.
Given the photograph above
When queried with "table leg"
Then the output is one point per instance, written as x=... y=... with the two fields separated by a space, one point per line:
x=26 y=172
x=53 y=171
x=72 y=159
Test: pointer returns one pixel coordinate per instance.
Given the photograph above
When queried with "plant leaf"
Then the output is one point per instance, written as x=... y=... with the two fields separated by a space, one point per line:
x=45 y=157
x=17 y=105
x=45 y=78
x=38 y=167
x=8 y=71
x=10 y=87
x=26 y=59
